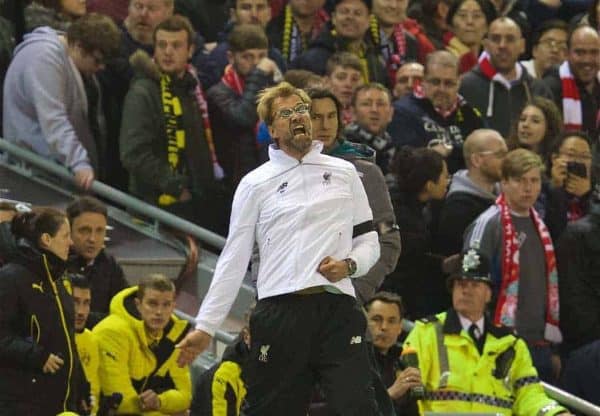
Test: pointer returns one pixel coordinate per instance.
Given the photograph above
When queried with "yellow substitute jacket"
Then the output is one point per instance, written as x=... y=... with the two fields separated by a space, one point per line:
x=87 y=347
x=129 y=366
x=457 y=378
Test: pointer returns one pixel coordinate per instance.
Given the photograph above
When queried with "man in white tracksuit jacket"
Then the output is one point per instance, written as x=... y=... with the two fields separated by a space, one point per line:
x=311 y=219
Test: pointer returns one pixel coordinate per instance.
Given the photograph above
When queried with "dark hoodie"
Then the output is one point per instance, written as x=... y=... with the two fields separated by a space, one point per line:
x=464 y=202
x=326 y=44
x=37 y=319
x=499 y=106
x=363 y=158
x=416 y=122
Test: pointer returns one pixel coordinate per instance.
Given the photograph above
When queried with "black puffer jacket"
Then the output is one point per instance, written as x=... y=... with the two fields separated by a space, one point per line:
x=37 y=319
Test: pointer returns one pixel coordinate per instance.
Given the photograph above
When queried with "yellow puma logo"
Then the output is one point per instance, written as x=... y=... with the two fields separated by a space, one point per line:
x=38 y=287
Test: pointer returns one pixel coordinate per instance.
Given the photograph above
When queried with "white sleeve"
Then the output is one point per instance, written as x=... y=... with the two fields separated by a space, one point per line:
x=233 y=261
x=365 y=242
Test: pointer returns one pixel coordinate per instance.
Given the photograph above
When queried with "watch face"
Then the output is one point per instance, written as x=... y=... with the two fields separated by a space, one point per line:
x=351 y=266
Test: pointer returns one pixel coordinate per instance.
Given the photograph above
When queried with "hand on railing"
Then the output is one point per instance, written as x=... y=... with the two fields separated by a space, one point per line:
x=84 y=178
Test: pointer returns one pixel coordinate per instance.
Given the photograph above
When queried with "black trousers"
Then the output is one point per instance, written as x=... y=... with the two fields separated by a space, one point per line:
x=297 y=340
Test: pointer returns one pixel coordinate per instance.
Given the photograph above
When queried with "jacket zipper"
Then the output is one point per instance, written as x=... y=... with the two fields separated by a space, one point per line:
x=65 y=329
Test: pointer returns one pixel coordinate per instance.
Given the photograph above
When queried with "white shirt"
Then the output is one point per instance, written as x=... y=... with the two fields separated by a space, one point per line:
x=466 y=324
x=298 y=212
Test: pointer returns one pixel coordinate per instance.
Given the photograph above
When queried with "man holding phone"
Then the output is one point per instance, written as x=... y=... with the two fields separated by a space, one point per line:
x=567 y=197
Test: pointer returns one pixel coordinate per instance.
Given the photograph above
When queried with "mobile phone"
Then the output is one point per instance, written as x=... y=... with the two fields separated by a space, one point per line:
x=577 y=169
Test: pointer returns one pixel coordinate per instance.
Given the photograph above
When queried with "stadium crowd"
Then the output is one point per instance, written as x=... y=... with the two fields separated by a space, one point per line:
x=379 y=162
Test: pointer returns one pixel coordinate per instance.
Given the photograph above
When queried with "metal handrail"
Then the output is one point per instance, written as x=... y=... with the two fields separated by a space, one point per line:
x=116 y=196
x=571 y=401
x=221 y=336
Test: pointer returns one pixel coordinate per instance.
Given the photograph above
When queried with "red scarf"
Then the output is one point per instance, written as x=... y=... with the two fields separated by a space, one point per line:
x=237 y=84
x=508 y=295
x=571 y=102
x=201 y=100
x=233 y=80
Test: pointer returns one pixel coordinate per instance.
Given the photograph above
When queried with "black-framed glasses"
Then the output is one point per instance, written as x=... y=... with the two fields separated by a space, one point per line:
x=301 y=108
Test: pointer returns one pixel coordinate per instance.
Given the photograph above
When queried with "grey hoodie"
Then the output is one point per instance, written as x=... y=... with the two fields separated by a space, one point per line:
x=462 y=183
x=45 y=105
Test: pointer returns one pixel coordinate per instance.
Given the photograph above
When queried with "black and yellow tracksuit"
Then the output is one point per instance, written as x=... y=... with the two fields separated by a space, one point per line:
x=220 y=390
x=36 y=320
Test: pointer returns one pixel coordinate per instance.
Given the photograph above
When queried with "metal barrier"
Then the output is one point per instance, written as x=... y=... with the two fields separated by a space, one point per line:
x=116 y=196
x=572 y=402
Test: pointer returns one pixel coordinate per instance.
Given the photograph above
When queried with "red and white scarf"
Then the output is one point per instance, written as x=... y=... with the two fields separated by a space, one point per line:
x=571 y=102
x=508 y=295
x=233 y=80
x=491 y=73
x=488 y=69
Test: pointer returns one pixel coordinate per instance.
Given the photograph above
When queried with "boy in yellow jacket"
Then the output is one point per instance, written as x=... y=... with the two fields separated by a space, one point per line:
x=137 y=350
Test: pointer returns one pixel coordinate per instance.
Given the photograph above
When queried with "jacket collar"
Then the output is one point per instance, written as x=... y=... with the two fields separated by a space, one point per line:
x=36 y=259
x=452 y=325
x=281 y=158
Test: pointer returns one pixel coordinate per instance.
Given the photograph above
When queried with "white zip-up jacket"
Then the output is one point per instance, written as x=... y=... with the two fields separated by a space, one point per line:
x=298 y=212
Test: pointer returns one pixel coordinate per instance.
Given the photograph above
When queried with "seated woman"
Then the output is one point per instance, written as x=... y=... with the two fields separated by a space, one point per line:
x=567 y=196
x=421 y=177
x=469 y=20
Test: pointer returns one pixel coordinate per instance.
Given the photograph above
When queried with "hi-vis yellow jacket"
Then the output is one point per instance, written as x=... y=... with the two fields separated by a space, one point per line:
x=128 y=365
x=458 y=379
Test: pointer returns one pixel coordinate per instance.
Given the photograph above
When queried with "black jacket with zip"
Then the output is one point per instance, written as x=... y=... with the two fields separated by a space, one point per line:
x=500 y=107
x=37 y=319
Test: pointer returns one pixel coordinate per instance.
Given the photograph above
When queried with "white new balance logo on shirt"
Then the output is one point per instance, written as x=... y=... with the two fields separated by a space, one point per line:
x=356 y=340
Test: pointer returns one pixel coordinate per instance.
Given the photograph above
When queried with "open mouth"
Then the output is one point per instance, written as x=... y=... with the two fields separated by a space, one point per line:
x=299 y=129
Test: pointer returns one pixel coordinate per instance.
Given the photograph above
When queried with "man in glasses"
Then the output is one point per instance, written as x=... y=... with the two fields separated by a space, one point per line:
x=473 y=190
x=574 y=83
x=45 y=102
x=549 y=47
x=434 y=114
x=310 y=217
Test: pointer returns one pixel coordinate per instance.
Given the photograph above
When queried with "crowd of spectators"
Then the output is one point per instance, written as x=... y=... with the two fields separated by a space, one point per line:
x=473 y=125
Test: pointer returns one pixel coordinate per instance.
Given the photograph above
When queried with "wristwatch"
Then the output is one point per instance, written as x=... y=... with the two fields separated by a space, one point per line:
x=351 y=264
